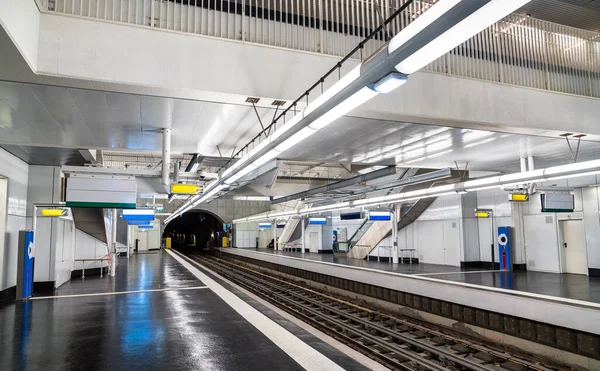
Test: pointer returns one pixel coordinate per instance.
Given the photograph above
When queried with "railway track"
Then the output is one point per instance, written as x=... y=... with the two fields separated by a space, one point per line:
x=396 y=343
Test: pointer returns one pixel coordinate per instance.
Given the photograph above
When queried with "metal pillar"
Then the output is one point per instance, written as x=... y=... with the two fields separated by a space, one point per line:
x=493 y=245
x=166 y=156
x=303 y=245
x=176 y=172
x=394 y=257
x=523 y=164
x=113 y=253
x=274 y=226
x=530 y=163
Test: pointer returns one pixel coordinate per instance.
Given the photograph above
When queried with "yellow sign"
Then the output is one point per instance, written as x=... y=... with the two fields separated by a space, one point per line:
x=482 y=214
x=54 y=212
x=518 y=197
x=185 y=189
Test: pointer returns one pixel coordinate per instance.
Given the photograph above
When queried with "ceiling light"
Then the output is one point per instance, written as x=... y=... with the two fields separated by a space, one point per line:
x=420 y=23
x=389 y=83
x=343 y=108
x=333 y=90
x=295 y=139
x=251 y=198
x=479 y=20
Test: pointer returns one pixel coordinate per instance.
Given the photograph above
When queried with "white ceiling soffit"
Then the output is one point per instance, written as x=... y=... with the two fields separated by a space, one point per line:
x=359 y=140
x=14 y=68
x=77 y=118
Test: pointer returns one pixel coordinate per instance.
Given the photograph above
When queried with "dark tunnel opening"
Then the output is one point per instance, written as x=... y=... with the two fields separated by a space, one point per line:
x=195 y=230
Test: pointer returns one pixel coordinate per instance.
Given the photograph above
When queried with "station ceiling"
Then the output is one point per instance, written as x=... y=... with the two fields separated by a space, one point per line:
x=584 y=14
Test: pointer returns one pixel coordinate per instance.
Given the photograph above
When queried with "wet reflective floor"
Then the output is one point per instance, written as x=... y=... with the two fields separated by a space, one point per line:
x=570 y=286
x=181 y=327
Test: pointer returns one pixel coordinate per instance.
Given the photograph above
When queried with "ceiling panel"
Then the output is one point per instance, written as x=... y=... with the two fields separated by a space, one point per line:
x=46 y=156
x=584 y=14
x=358 y=140
x=79 y=118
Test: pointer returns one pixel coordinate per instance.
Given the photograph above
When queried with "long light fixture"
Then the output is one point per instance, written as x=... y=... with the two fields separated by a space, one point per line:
x=484 y=14
x=442 y=27
x=540 y=175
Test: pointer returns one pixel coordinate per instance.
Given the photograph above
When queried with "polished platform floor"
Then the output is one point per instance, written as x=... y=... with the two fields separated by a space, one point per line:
x=153 y=315
x=571 y=286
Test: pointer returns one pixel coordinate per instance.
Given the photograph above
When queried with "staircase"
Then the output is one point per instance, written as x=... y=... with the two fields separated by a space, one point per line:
x=91 y=221
x=288 y=232
x=380 y=230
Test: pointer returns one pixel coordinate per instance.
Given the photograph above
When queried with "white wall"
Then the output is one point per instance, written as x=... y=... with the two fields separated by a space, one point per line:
x=87 y=247
x=246 y=234
x=16 y=171
x=435 y=234
x=21 y=21
x=314 y=228
x=591 y=224
x=228 y=209
x=65 y=251
x=44 y=187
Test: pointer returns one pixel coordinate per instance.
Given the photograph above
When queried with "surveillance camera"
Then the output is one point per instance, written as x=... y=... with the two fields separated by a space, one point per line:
x=201 y=176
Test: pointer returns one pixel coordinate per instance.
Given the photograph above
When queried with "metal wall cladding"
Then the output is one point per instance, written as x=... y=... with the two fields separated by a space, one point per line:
x=100 y=190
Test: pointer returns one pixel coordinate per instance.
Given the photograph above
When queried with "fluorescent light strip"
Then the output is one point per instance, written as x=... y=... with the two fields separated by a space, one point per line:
x=461 y=32
x=558 y=172
x=358 y=98
x=419 y=24
x=251 y=198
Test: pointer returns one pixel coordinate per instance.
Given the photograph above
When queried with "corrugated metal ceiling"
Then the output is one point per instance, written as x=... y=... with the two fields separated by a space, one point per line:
x=584 y=14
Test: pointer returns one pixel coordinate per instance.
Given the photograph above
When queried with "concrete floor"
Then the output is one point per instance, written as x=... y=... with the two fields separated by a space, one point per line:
x=571 y=286
x=183 y=327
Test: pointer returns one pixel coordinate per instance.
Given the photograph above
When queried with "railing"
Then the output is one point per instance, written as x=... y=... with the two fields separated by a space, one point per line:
x=364 y=227
x=518 y=50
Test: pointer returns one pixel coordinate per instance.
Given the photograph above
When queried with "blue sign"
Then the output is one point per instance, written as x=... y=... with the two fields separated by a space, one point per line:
x=380 y=215
x=138 y=214
x=335 y=236
x=504 y=248
x=138 y=222
x=264 y=225
x=321 y=221
x=28 y=257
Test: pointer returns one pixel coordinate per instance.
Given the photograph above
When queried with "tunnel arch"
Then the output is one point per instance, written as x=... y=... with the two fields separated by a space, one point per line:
x=195 y=230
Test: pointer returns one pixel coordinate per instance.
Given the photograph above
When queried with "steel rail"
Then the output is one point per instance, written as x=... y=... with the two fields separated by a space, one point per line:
x=390 y=340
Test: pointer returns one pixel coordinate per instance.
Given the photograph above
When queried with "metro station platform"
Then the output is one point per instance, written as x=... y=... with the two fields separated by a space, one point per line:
x=156 y=313
x=566 y=301
x=568 y=286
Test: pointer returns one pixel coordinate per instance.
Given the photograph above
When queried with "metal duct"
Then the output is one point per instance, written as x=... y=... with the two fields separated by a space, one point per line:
x=166 y=155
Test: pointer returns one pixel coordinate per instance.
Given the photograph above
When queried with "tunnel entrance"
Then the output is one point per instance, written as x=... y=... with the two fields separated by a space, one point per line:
x=195 y=230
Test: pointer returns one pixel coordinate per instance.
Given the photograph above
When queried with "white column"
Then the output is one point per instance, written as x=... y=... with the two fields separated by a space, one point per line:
x=303 y=242
x=394 y=236
x=274 y=226
x=113 y=237
x=523 y=162
x=530 y=163
x=518 y=237
x=166 y=156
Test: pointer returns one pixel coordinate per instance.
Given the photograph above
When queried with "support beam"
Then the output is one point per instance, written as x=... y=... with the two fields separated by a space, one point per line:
x=303 y=242
x=166 y=156
x=88 y=155
x=342 y=184
x=176 y=170
x=394 y=252
x=133 y=172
